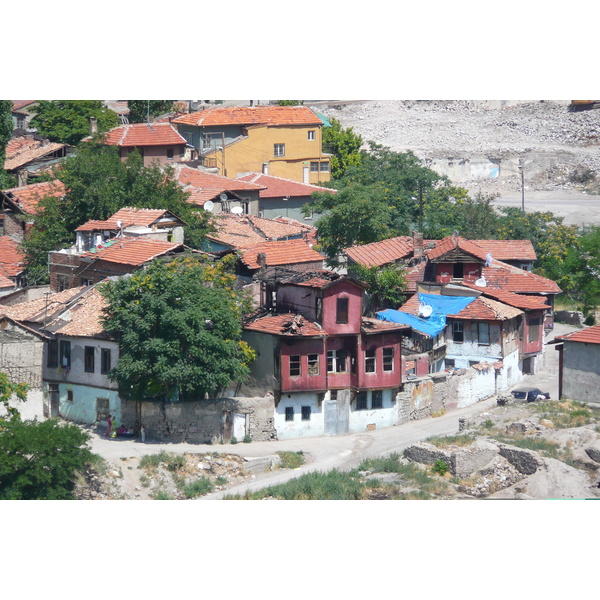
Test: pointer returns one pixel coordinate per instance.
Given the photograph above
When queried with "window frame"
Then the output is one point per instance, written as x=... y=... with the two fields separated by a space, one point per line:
x=533 y=327
x=306 y=412
x=388 y=356
x=481 y=326
x=341 y=311
x=335 y=359
x=456 y=267
x=64 y=354
x=314 y=166
x=295 y=365
x=324 y=167
x=289 y=413
x=89 y=359
x=371 y=360
x=52 y=359
x=313 y=365
x=376 y=399
x=312 y=135
x=362 y=401
x=457 y=328
x=278 y=150
x=104 y=353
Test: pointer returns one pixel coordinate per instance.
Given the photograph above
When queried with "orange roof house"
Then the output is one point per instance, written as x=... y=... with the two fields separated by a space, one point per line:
x=293 y=254
x=158 y=143
x=284 y=141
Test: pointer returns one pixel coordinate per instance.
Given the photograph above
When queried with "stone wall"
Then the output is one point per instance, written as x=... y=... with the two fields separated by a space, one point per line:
x=571 y=317
x=202 y=421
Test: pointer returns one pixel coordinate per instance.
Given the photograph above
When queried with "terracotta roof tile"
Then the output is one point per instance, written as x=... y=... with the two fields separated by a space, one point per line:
x=20 y=104
x=591 y=335
x=517 y=300
x=25 y=149
x=132 y=250
x=257 y=115
x=27 y=197
x=381 y=253
x=83 y=317
x=288 y=252
x=128 y=217
x=508 y=249
x=42 y=308
x=11 y=257
x=369 y=325
x=144 y=134
x=451 y=243
x=277 y=187
x=506 y=277
x=202 y=179
x=288 y=324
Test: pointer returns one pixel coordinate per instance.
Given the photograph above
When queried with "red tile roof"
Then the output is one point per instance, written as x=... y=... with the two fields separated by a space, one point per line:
x=591 y=335
x=202 y=179
x=451 y=243
x=42 y=308
x=19 y=104
x=257 y=115
x=133 y=251
x=508 y=249
x=288 y=324
x=144 y=134
x=517 y=300
x=381 y=253
x=288 y=252
x=277 y=187
x=128 y=217
x=27 y=197
x=25 y=149
x=506 y=277
x=11 y=257
x=369 y=325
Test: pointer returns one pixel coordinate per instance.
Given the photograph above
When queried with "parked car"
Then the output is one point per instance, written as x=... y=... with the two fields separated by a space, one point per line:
x=530 y=394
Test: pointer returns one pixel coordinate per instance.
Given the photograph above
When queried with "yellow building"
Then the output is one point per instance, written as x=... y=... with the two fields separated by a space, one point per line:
x=284 y=141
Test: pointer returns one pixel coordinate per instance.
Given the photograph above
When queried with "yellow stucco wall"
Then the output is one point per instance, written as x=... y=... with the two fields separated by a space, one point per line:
x=251 y=153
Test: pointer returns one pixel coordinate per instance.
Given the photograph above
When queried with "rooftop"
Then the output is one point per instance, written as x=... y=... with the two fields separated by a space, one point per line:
x=244 y=115
x=278 y=187
x=287 y=324
x=452 y=243
x=134 y=251
x=27 y=197
x=381 y=253
x=24 y=149
x=11 y=257
x=508 y=249
x=203 y=179
x=127 y=217
x=144 y=134
x=287 y=252
x=591 y=335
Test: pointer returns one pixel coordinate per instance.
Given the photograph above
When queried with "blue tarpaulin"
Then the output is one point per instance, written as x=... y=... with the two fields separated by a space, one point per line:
x=432 y=325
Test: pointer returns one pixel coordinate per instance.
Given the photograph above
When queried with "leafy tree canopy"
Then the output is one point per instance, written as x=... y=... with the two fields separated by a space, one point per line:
x=178 y=325
x=290 y=102
x=9 y=390
x=138 y=109
x=99 y=183
x=386 y=285
x=67 y=121
x=344 y=145
x=6 y=128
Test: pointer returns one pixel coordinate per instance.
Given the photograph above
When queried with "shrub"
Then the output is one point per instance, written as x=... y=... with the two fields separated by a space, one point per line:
x=176 y=462
x=488 y=424
x=291 y=460
x=161 y=495
x=199 y=487
x=440 y=467
x=233 y=440
x=247 y=439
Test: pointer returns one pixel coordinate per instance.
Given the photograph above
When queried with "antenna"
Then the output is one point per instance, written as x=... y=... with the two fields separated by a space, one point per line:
x=209 y=206
x=481 y=282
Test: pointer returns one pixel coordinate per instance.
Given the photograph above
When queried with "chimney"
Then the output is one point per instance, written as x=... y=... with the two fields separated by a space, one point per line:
x=93 y=126
x=261 y=259
x=418 y=251
x=22 y=176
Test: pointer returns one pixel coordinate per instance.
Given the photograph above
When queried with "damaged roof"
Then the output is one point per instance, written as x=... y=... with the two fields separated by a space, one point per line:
x=285 y=324
x=278 y=187
x=286 y=252
x=27 y=197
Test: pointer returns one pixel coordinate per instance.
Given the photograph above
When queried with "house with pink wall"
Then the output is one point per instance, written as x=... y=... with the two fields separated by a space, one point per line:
x=330 y=370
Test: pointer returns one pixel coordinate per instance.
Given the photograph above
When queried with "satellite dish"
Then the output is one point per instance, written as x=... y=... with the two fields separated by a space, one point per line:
x=425 y=310
x=209 y=206
x=223 y=197
x=237 y=210
x=481 y=282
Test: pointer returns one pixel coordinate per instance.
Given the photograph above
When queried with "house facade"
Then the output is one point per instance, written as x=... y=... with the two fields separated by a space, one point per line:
x=330 y=370
x=284 y=141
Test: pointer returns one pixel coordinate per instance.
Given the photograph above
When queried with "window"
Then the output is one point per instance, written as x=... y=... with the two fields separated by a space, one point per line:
x=449 y=363
x=87 y=282
x=361 y=401
x=377 y=399
x=457 y=332
x=324 y=166
x=333 y=395
x=105 y=360
x=89 y=355
x=534 y=329
x=483 y=332
x=311 y=135
x=52 y=361
x=370 y=361
x=313 y=364
x=295 y=369
x=458 y=271
x=388 y=359
x=306 y=413
x=279 y=150
x=314 y=167
x=289 y=413
x=336 y=361
x=473 y=362
x=102 y=409
x=170 y=153
x=188 y=137
x=65 y=354
x=69 y=395
x=62 y=283
x=342 y=310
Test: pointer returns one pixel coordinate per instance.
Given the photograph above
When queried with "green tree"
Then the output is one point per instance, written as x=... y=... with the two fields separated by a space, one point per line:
x=6 y=128
x=290 y=102
x=178 y=325
x=67 y=121
x=344 y=145
x=387 y=285
x=139 y=109
x=355 y=215
x=98 y=184
x=8 y=391
x=38 y=461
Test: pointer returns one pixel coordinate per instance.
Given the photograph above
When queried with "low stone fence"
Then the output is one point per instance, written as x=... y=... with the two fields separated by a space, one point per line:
x=570 y=317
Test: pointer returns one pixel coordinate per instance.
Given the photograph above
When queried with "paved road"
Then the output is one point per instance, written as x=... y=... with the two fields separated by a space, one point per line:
x=341 y=452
